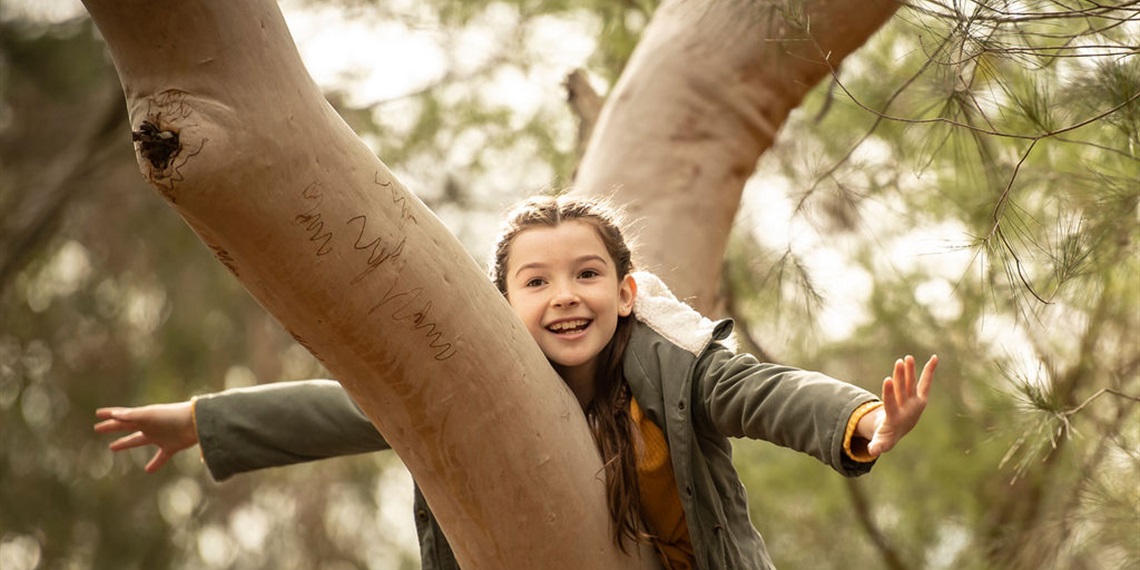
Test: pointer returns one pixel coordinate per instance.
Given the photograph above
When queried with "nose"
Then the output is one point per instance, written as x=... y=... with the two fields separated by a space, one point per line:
x=565 y=296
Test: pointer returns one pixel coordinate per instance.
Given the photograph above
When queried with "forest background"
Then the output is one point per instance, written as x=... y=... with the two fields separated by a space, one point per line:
x=967 y=184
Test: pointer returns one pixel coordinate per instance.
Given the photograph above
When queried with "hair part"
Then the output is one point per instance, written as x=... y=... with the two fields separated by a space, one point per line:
x=608 y=413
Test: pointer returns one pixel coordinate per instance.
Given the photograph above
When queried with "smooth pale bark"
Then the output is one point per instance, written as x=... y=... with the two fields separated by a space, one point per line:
x=703 y=95
x=235 y=134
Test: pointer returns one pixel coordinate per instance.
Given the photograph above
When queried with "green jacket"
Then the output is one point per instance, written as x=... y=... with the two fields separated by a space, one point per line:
x=284 y=423
x=683 y=374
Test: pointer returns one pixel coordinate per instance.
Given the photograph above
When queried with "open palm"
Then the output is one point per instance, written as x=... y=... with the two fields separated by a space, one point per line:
x=904 y=399
x=170 y=427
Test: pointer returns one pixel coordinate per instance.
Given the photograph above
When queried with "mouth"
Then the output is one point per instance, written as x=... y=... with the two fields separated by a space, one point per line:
x=569 y=326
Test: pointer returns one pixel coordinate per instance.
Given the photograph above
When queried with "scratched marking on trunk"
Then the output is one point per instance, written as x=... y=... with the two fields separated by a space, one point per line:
x=411 y=305
x=312 y=220
x=226 y=259
x=398 y=198
x=378 y=252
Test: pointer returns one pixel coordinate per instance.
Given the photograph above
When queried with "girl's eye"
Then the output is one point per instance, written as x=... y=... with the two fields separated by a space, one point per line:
x=534 y=282
x=589 y=274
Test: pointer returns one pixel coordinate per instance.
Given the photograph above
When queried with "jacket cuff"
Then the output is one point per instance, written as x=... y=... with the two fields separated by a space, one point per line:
x=859 y=455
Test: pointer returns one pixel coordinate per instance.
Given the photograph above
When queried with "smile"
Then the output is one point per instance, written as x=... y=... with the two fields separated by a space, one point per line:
x=569 y=326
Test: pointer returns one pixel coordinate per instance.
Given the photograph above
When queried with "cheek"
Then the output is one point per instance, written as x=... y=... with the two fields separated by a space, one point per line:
x=513 y=301
x=525 y=311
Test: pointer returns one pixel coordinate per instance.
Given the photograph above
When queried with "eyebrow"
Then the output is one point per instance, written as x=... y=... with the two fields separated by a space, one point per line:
x=577 y=261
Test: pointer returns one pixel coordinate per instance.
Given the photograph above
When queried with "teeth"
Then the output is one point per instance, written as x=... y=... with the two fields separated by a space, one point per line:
x=569 y=325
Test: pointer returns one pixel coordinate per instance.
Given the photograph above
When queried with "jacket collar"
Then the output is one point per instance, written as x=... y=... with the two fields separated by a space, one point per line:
x=657 y=307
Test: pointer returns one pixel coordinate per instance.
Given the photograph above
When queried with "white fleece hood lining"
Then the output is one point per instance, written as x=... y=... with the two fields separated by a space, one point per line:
x=656 y=306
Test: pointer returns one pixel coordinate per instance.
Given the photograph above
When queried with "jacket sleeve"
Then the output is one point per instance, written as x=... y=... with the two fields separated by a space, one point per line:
x=793 y=408
x=280 y=424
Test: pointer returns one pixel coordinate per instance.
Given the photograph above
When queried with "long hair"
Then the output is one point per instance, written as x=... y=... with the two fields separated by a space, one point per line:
x=608 y=413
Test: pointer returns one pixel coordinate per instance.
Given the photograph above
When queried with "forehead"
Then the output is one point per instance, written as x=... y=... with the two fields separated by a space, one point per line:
x=562 y=243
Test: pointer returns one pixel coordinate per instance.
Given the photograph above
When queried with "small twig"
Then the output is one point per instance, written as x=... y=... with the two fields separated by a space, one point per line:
x=1098 y=394
x=999 y=208
x=742 y=330
x=991 y=132
x=891 y=558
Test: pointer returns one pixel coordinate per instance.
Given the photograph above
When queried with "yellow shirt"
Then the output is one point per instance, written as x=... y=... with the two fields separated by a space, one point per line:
x=661 y=508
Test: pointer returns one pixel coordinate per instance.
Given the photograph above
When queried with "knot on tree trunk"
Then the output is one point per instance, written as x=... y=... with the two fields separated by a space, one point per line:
x=155 y=145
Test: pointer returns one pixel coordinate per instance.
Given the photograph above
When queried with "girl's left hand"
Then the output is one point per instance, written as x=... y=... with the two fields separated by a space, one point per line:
x=904 y=399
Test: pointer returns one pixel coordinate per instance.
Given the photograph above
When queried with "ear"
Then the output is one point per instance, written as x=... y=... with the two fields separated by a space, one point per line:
x=627 y=294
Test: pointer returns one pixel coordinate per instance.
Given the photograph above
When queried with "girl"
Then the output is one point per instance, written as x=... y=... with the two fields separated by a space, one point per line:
x=661 y=387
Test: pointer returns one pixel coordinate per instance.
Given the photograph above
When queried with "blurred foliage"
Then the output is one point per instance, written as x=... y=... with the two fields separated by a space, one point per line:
x=967 y=185
x=983 y=196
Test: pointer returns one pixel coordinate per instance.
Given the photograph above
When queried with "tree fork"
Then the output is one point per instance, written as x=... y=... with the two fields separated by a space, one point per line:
x=703 y=96
x=231 y=129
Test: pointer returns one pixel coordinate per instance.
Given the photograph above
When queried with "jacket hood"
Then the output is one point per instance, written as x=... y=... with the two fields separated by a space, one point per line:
x=657 y=307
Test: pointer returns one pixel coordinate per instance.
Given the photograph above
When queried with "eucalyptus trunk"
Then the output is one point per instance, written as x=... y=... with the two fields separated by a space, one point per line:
x=232 y=130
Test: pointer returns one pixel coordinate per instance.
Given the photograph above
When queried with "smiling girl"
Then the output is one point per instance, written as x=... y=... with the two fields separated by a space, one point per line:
x=661 y=387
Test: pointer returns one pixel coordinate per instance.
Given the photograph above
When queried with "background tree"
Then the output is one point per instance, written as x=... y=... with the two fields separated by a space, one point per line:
x=77 y=338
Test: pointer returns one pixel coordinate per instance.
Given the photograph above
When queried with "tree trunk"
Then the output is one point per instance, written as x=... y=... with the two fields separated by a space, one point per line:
x=230 y=128
x=234 y=133
x=707 y=88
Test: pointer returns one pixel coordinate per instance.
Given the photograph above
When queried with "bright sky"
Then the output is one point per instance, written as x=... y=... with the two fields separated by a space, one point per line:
x=383 y=58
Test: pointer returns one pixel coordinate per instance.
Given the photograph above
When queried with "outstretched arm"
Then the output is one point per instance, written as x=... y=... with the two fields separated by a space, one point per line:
x=245 y=429
x=279 y=424
x=904 y=399
x=170 y=427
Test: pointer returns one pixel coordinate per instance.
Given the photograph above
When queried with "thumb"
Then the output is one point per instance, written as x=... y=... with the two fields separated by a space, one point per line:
x=874 y=448
x=879 y=445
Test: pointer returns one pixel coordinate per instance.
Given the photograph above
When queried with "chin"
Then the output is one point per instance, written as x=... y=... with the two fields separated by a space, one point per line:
x=570 y=364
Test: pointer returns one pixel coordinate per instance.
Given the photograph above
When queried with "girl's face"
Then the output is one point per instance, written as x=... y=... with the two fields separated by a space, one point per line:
x=564 y=286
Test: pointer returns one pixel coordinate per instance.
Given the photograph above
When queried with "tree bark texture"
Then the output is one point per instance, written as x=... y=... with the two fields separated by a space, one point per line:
x=231 y=129
x=703 y=96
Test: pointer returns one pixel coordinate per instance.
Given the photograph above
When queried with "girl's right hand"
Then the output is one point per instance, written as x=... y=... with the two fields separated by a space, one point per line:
x=168 y=426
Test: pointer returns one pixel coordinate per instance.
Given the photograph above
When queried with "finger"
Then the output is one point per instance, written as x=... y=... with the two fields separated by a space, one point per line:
x=873 y=448
x=137 y=439
x=881 y=443
x=898 y=381
x=911 y=384
x=890 y=399
x=109 y=426
x=927 y=376
x=105 y=413
x=160 y=458
x=125 y=414
x=878 y=446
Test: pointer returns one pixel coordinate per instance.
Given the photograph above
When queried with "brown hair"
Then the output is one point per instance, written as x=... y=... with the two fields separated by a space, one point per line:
x=608 y=413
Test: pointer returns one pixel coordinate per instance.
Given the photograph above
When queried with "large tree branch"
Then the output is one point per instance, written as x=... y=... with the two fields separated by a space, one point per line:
x=702 y=97
x=231 y=129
